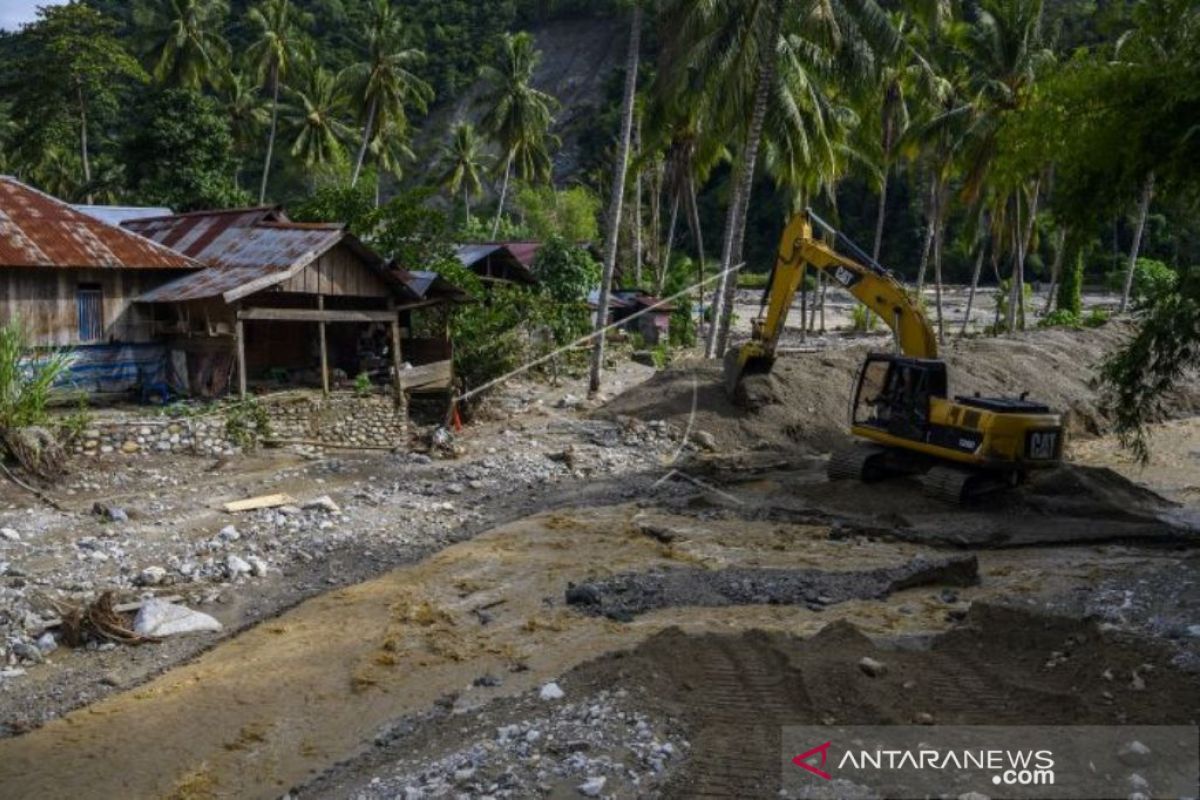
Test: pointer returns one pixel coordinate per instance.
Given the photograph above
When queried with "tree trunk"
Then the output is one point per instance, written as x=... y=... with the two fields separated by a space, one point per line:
x=1135 y=248
x=617 y=198
x=503 y=196
x=262 y=192
x=803 y=311
x=999 y=284
x=1014 y=283
x=718 y=338
x=879 y=219
x=816 y=304
x=467 y=205
x=938 y=237
x=975 y=278
x=1056 y=270
x=83 y=141
x=637 y=207
x=1026 y=241
x=693 y=212
x=666 y=265
x=824 y=284
x=927 y=248
x=366 y=140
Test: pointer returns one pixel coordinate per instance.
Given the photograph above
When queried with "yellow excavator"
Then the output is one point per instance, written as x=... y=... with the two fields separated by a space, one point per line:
x=901 y=406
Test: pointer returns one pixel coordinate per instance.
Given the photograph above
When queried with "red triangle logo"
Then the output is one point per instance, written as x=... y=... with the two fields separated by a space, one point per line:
x=801 y=760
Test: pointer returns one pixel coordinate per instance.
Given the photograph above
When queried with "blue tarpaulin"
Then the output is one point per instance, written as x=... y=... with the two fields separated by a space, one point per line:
x=115 y=368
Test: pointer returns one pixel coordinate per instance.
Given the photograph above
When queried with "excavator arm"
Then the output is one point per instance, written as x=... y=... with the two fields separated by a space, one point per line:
x=871 y=284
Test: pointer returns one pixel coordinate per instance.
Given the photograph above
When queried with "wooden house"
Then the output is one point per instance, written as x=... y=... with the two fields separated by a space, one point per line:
x=282 y=302
x=72 y=281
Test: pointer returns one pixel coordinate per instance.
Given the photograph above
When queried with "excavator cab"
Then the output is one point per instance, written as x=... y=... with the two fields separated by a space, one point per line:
x=894 y=394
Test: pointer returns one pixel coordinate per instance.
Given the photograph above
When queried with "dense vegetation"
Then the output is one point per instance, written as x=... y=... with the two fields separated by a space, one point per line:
x=1003 y=141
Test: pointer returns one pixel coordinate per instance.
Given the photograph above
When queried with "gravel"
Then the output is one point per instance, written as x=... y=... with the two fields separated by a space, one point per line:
x=152 y=525
x=598 y=745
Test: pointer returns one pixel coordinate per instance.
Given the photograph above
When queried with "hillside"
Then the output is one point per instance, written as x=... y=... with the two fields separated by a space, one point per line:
x=579 y=57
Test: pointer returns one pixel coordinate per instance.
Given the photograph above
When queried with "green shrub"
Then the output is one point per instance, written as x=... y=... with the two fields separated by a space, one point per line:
x=1061 y=318
x=362 y=384
x=1151 y=279
x=862 y=320
x=26 y=381
x=71 y=428
x=1096 y=318
x=753 y=280
x=683 y=326
x=662 y=355
x=1002 y=296
x=1070 y=287
x=247 y=423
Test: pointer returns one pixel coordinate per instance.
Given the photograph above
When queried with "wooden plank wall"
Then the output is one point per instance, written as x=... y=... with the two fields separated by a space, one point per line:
x=337 y=273
x=45 y=301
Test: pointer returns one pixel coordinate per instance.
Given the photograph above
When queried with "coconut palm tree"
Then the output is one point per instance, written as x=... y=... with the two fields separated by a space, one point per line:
x=245 y=111
x=742 y=52
x=280 y=44
x=617 y=198
x=518 y=116
x=1004 y=54
x=384 y=85
x=463 y=163
x=1159 y=33
x=317 y=111
x=390 y=151
x=184 y=40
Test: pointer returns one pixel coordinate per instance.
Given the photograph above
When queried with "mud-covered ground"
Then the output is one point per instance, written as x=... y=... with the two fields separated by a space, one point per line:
x=618 y=602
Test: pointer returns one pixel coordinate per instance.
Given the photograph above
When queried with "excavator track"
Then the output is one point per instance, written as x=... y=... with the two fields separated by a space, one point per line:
x=858 y=464
x=949 y=484
x=957 y=485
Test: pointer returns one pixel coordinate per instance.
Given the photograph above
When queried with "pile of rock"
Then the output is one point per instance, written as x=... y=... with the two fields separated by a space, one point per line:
x=592 y=748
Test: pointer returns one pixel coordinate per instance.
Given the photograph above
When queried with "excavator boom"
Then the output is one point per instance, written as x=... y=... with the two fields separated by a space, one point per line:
x=871 y=284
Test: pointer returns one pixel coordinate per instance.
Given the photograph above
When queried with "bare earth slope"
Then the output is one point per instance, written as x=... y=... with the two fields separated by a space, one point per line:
x=806 y=398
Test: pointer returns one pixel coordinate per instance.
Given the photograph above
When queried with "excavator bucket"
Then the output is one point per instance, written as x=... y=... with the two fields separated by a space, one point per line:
x=733 y=371
x=741 y=362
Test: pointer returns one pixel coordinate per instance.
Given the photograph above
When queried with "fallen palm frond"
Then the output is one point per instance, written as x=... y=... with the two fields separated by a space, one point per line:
x=100 y=621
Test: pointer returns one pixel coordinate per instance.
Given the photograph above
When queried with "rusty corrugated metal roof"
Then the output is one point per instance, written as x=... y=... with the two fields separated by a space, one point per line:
x=198 y=234
x=246 y=250
x=37 y=230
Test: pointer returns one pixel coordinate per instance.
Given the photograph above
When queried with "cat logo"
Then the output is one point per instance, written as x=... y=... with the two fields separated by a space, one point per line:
x=1042 y=445
x=845 y=277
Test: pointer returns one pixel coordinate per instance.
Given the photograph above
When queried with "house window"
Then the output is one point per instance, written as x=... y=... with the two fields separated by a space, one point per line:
x=89 y=300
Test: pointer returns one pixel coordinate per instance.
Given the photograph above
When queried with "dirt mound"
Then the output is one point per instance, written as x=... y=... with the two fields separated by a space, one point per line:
x=736 y=692
x=1070 y=505
x=806 y=397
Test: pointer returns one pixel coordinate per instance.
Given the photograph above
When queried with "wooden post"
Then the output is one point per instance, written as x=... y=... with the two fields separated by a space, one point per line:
x=324 y=350
x=397 y=361
x=241 y=357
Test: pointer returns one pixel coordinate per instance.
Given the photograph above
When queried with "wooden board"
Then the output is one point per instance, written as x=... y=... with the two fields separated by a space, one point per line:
x=255 y=503
x=430 y=376
x=315 y=315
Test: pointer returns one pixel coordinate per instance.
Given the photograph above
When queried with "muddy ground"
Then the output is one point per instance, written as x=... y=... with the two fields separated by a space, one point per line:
x=604 y=602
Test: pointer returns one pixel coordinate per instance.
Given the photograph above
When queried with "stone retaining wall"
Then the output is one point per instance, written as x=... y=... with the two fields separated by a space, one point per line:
x=341 y=420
